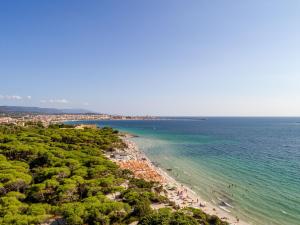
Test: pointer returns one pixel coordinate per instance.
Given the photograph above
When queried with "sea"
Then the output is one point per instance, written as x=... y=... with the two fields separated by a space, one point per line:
x=249 y=167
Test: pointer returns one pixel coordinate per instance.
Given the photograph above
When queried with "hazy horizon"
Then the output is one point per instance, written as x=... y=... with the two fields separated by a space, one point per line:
x=160 y=58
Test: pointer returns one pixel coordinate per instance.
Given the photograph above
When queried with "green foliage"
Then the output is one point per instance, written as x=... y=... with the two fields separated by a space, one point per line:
x=188 y=216
x=61 y=171
x=46 y=171
x=167 y=217
x=163 y=217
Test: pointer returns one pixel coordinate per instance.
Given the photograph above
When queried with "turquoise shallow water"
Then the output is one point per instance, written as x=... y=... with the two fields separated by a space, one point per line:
x=252 y=164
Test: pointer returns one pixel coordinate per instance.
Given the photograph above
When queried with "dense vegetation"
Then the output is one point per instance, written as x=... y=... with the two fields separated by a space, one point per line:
x=61 y=173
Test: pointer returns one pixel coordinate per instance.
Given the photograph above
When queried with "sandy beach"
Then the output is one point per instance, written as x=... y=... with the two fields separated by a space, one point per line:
x=133 y=159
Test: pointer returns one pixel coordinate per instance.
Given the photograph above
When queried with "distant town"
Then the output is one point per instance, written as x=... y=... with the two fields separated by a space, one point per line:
x=22 y=117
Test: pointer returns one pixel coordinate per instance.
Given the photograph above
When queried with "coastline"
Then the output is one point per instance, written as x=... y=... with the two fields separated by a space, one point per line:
x=134 y=159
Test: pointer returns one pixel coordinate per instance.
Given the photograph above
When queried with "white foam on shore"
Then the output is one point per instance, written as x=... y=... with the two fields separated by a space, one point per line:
x=224 y=208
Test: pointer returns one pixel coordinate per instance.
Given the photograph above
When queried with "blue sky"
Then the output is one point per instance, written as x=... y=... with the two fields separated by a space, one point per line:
x=171 y=57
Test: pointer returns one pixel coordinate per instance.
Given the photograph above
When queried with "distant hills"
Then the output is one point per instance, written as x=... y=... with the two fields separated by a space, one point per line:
x=38 y=110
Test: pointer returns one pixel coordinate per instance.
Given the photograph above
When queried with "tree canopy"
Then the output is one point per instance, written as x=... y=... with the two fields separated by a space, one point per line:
x=61 y=172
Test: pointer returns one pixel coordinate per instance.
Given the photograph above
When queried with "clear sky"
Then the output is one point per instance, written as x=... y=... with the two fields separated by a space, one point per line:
x=158 y=57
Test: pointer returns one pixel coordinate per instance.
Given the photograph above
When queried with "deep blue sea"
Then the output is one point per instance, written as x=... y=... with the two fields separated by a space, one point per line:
x=251 y=163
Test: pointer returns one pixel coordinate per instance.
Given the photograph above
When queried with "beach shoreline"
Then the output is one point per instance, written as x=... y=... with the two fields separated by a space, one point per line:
x=134 y=159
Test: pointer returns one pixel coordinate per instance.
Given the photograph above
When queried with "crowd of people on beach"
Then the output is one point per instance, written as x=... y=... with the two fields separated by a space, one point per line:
x=181 y=196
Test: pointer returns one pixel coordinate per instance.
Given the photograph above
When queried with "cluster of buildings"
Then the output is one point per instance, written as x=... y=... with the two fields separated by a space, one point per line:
x=6 y=120
x=59 y=118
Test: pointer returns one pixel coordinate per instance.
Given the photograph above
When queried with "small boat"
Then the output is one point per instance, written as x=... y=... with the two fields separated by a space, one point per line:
x=226 y=204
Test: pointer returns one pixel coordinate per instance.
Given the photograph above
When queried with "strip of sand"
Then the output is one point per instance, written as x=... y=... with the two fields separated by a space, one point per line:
x=133 y=159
